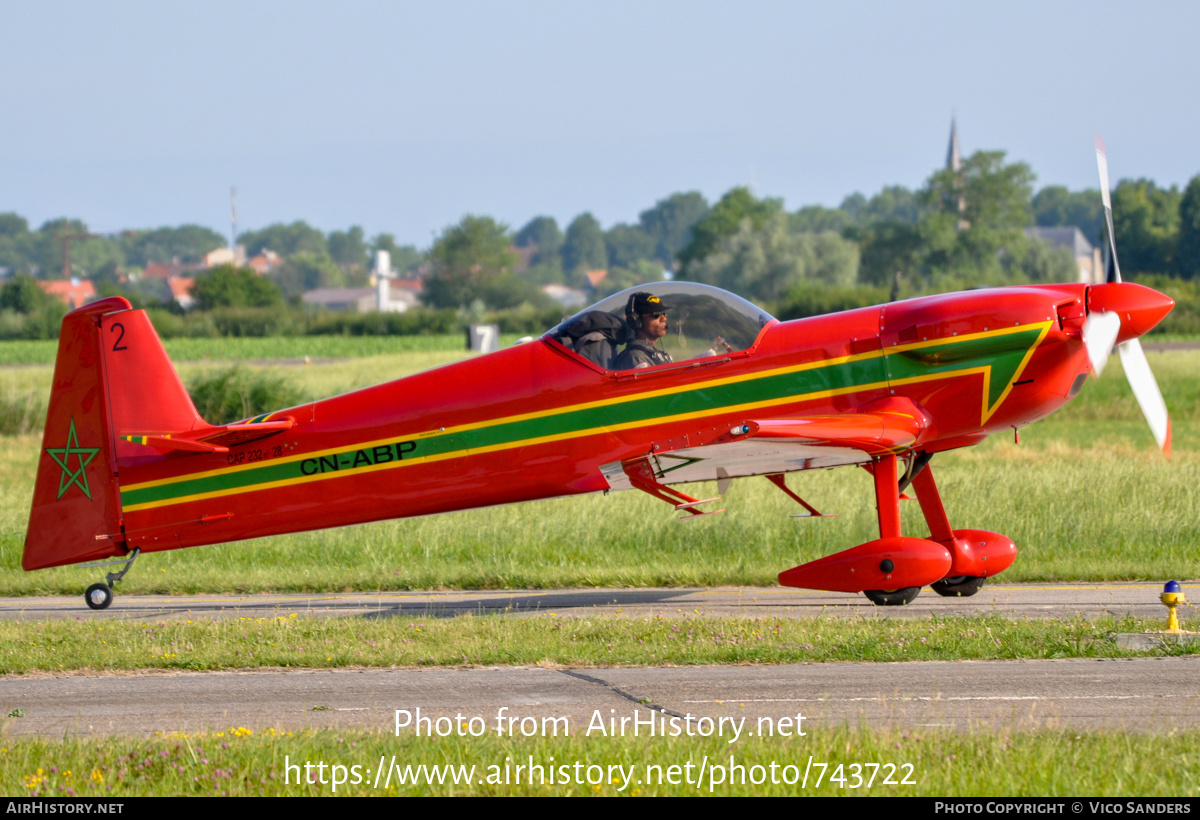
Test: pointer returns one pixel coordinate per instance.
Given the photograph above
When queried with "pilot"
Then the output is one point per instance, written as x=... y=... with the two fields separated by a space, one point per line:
x=647 y=316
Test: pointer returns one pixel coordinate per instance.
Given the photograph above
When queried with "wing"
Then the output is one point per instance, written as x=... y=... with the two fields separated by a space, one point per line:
x=771 y=446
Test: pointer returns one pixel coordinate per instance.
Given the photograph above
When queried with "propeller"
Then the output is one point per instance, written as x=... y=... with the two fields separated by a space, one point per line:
x=1105 y=329
x=1100 y=335
x=1113 y=270
x=1145 y=390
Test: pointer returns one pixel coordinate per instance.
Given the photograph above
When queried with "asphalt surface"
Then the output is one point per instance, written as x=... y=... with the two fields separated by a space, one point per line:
x=1010 y=600
x=1148 y=694
x=1144 y=694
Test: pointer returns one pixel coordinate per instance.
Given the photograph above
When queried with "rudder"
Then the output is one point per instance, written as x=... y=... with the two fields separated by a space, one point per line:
x=111 y=377
x=145 y=394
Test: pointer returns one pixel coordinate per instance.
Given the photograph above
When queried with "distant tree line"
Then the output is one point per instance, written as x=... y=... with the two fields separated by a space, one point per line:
x=312 y=258
x=960 y=229
x=39 y=252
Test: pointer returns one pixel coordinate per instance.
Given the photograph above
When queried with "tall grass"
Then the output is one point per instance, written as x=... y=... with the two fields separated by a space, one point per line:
x=241 y=760
x=21 y=413
x=576 y=639
x=226 y=395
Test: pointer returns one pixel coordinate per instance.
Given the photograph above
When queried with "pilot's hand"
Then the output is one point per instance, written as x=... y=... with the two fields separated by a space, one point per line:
x=719 y=343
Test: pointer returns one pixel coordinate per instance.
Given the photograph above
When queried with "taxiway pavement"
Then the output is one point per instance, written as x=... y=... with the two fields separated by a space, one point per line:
x=1009 y=600
x=1141 y=694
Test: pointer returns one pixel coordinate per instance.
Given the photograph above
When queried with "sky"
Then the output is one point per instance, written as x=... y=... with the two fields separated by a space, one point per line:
x=403 y=117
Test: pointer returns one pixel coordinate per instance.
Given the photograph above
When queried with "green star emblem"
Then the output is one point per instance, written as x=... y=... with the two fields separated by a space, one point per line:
x=62 y=457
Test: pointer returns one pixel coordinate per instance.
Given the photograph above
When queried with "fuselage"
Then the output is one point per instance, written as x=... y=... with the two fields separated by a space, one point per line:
x=536 y=420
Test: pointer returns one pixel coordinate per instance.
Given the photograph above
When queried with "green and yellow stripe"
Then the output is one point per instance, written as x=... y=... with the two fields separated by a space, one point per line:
x=999 y=355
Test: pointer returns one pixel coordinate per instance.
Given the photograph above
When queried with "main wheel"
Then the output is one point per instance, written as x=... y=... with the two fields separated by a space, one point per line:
x=960 y=586
x=98 y=596
x=892 y=597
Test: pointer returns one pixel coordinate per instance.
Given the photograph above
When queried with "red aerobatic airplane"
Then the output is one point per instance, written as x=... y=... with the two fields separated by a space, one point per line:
x=128 y=466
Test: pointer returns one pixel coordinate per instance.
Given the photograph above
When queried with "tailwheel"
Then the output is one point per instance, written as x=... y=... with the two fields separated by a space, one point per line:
x=960 y=586
x=98 y=596
x=892 y=597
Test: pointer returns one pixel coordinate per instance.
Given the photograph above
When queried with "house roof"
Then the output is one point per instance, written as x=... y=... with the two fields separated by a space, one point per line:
x=336 y=296
x=158 y=270
x=1068 y=237
x=181 y=287
x=264 y=261
x=565 y=296
x=74 y=292
x=412 y=285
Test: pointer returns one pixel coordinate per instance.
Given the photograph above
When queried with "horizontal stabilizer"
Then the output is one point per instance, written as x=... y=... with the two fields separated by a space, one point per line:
x=211 y=439
x=166 y=442
x=232 y=434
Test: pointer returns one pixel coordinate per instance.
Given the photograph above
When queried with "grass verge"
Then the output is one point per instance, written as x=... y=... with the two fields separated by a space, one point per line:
x=847 y=761
x=269 y=347
x=568 y=640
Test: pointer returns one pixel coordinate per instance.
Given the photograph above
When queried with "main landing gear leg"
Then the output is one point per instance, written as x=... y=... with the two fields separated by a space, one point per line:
x=968 y=555
x=887 y=505
x=890 y=570
x=99 y=596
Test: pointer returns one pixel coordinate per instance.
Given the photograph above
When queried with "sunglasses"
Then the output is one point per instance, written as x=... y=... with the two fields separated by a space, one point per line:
x=658 y=315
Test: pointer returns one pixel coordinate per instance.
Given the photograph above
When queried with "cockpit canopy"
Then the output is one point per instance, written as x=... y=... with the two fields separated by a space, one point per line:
x=696 y=316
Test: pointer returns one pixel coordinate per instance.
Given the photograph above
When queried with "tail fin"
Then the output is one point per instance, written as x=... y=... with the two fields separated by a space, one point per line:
x=111 y=375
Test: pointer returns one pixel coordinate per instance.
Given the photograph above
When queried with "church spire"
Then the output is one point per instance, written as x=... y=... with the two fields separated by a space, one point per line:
x=953 y=155
x=954 y=165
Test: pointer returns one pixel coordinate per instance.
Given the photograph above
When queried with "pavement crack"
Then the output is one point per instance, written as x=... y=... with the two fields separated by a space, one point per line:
x=618 y=691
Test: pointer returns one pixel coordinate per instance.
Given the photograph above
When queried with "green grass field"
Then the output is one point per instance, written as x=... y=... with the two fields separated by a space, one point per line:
x=924 y=762
x=551 y=638
x=271 y=347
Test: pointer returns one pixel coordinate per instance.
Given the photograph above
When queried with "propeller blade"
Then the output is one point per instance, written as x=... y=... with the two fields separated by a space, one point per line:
x=1145 y=390
x=1133 y=358
x=1102 y=164
x=1100 y=335
x=1114 y=270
